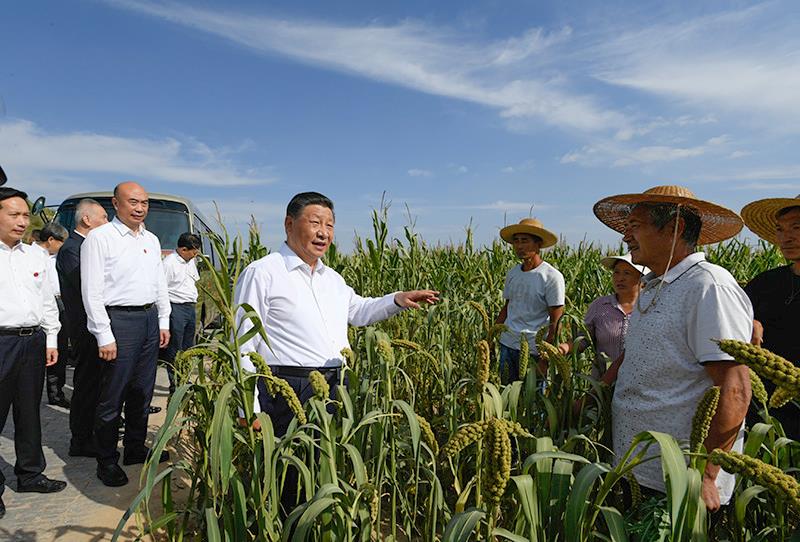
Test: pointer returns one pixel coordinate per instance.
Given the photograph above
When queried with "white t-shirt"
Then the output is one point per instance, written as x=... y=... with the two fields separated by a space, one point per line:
x=529 y=295
x=662 y=378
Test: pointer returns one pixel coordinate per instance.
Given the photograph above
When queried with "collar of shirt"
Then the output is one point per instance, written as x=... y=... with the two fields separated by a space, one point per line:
x=19 y=245
x=125 y=230
x=293 y=261
x=79 y=233
x=678 y=270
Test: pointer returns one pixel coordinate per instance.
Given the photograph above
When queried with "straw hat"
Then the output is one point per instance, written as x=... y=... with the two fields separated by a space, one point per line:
x=718 y=223
x=761 y=216
x=609 y=261
x=530 y=226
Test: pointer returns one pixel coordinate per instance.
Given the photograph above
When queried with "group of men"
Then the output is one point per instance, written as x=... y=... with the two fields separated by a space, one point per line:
x=670 y=358
x=104 y=293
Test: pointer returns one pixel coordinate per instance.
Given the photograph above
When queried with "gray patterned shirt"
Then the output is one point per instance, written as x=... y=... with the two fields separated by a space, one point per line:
x=662 y=378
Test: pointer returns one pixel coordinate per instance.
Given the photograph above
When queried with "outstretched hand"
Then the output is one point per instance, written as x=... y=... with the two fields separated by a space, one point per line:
x=413 y=298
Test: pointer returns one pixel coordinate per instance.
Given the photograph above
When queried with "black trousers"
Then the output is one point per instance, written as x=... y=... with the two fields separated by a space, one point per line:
x=128 y=381
x=57 y=374
x=182 y=324
x=86 y=388
x=22 y=364
x=281 y=415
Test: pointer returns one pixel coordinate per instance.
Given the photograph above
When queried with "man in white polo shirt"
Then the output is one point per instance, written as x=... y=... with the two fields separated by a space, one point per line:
x=181 y=273
x=670 y=357
x=127 y=310
x=28 y=336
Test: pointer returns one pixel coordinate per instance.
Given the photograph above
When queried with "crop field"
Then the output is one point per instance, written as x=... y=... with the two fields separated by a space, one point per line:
x=423 y=442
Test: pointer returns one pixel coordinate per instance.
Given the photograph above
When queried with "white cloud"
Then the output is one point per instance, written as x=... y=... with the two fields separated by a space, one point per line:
x=419 y=173
x=769 y=186
x=618 y=155
x=506 y=75
x=770 y=173
x=35 y=157
x=527 y=165
x=743 y=61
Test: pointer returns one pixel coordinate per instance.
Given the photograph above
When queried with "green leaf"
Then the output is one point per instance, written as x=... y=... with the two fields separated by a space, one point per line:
x=461 y=525
x=615 y=523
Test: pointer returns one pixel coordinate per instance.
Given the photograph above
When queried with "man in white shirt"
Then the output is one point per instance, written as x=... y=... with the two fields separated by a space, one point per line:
x=305 y=306
x=50 y=240
x=670 y=357
x=534 y=294
x=180 y=270
x=127 y=309
x=89 y=214
x=28 y=341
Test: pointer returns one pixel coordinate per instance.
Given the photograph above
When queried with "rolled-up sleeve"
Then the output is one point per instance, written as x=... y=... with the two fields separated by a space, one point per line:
x=92 y=285
x=364 y=311
x=722 y=312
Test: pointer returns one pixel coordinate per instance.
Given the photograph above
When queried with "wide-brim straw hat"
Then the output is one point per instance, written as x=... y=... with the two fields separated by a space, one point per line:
x=530 y=226
x=610 y=261
x=761 y=216
x=718 y=222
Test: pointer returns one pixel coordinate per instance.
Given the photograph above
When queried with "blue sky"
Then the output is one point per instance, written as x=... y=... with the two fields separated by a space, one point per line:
x=458 y=111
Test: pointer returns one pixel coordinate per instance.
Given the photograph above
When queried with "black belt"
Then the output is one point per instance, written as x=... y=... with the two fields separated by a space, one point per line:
x=182 y=303
x=20 y=331
x=130 y=308
x=300 y=372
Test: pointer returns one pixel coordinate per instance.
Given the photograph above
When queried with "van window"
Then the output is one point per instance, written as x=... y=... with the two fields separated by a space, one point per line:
x=166 y=219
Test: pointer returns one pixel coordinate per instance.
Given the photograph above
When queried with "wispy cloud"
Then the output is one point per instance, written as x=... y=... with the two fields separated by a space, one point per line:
x=37 y=156
x=419 y=173
x=744 y=61
x=772 y=173
x=527 y=165
x=618 y=155
x=516 y=76
x=769 y=186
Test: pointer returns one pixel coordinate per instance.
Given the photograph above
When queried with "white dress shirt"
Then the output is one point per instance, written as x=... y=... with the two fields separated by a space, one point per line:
x=52 y=274
x=181 y=277
x=305 y=313
x=121 y=268
x=27 y=299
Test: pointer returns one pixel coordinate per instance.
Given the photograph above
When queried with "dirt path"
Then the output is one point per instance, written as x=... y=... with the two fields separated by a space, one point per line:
x=86 y=510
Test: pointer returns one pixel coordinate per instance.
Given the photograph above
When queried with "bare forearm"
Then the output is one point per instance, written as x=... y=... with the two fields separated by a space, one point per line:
x=732 y=408
x=502 y=315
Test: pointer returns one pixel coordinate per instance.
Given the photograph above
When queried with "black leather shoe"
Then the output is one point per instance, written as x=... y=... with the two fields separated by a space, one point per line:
x=142 y=456
x=82 y=450
x=60 y=401
x=154 y=409
x=112 y=475
x=42 y=485
x=2 y=508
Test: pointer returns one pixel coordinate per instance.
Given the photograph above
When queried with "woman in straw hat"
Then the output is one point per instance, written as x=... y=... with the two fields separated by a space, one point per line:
x=608 y=317
x=670 y=358
x=775 y=294
x=534 y=294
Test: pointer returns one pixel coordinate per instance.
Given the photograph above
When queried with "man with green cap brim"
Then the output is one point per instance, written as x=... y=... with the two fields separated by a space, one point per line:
x=534 y=294
x=775 y=294
x=670 y=358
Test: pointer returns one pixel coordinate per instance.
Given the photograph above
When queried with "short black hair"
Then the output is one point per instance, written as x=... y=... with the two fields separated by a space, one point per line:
x=54 y=230
x=304 y=199
x=662 y=214
x=786 y=210
x=6 y=192
x=189 y=240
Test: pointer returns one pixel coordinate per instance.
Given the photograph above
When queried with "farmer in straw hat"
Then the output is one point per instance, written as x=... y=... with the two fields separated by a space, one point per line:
x=670 y=358
x=534 y=294
x=775 y=294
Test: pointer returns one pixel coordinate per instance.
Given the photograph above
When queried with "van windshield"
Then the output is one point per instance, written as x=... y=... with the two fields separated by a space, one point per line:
x=166 y=219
